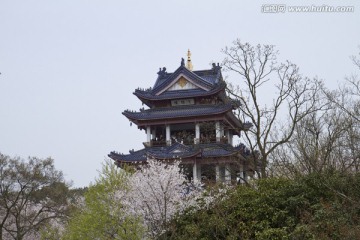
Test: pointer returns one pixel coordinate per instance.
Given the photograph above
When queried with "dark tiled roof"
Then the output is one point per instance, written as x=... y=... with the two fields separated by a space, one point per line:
x=149 y=93
x=140 y=155
x=179 y=111
x=178 y=150
x=212 y=76
x=205 y=78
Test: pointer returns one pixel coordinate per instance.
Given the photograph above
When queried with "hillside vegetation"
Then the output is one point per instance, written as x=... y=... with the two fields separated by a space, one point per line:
x=316 y=206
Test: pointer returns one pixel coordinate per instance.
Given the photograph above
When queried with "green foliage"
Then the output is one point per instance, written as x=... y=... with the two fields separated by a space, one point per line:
x=50 y=232
x=102 y=216
x=317 y=206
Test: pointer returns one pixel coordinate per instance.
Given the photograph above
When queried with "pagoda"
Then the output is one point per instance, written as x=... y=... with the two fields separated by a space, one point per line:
x=190 y=118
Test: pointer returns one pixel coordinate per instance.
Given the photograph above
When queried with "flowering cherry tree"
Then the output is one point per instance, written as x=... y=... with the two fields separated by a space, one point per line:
x=136 y=205
x=159 y=191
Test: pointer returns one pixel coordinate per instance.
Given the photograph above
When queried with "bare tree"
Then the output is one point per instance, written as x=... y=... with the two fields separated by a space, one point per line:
x=346 y=101
x=32 y=193
x=293 y=97
x=322 y=140
x=327 y=138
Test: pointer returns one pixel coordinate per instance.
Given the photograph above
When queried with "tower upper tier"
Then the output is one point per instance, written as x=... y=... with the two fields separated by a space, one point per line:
x=183 y=84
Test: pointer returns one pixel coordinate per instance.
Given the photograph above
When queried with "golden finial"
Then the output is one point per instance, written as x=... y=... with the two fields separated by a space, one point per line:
x=189 y=64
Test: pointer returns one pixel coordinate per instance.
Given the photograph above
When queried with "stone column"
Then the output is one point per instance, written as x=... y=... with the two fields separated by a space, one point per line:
x=217 y=131
x=222 y=130
x=217 y=173
x=242 y=175
x=148 y=134
x=197 y=133
x=168 y=140
x=230 y=137
x=227 y=173
x=153 y=133
x=196 y=171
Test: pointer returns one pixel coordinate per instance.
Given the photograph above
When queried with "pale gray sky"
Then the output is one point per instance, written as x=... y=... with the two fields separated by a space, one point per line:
x=69 y=68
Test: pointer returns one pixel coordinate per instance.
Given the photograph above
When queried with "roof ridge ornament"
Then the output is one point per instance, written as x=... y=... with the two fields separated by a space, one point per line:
x=189 y=63
x=215 y=67
x=162 y=71
x=182 y=62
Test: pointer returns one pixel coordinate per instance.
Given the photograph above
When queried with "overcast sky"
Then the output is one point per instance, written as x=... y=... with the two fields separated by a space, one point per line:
x=69 y=68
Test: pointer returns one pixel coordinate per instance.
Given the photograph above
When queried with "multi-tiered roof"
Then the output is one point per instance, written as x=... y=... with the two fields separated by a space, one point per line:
x=181 y=99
